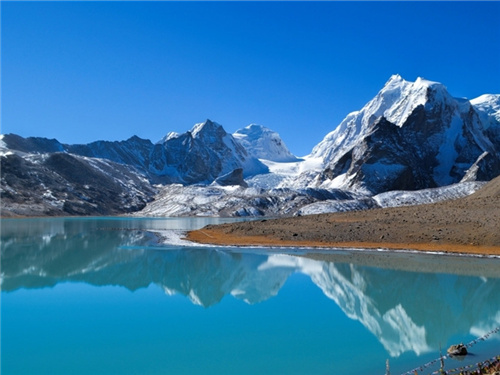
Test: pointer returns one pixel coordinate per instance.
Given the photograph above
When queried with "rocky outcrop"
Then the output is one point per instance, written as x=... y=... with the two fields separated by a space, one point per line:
x=232 y=178
x=134 y=151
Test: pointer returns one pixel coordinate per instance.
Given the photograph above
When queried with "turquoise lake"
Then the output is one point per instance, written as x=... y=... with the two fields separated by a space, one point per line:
x=105 y=296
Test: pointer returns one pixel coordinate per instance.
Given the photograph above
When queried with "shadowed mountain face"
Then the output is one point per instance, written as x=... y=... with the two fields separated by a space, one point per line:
x=61 y=183
x=406 y=310
x=197 y=156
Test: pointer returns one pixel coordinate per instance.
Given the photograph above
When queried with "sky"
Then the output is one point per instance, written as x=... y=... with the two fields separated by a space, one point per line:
x=86 y=71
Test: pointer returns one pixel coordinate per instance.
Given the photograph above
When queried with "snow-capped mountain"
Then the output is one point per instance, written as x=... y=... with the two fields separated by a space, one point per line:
x=197 y=156
x=488 y=108
x=263 y=143
x=412 y=135
x=201 y=155
x=64 y=184
x=44 y=177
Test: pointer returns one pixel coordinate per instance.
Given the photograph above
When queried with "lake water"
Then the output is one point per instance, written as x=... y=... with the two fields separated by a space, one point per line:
x=101 y=296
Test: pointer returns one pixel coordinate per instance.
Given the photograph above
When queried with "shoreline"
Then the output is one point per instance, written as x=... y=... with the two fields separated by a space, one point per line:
x=408 y=260
x=212 y=236
x=469 y=225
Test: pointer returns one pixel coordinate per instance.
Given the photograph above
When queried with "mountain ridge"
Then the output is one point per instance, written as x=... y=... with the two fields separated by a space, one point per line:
x=410 y=136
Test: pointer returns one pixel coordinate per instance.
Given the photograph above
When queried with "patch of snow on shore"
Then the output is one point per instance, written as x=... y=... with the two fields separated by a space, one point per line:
x=172 y=237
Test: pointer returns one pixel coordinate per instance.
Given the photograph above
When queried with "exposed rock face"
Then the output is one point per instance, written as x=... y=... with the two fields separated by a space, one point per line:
x=232 y=178
x=488 y=108
x=64 y=184
x=457 y=350
x=134 y=151
x=35 y=145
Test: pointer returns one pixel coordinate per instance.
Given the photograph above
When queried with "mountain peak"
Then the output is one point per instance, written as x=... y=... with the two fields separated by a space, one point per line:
x=395 y=101
x=489 y=103
x=198 y=130
x=394 y=80
x=487 y=107
x=253 y=131
x=420 y=81
x=207 y=127
x=398 y=80
x=263 y=143
x=399 y=98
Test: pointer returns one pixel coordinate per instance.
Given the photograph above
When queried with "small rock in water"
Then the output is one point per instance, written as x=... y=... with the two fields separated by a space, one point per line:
x=457 y=350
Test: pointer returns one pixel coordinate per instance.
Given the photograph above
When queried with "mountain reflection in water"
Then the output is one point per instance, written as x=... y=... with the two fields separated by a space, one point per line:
x=407 y=310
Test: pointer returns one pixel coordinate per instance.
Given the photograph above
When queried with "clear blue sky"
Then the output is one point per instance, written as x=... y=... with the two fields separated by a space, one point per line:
x=84 y=71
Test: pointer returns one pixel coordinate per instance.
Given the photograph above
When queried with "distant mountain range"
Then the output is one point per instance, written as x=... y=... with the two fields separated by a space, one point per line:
x=410 y=136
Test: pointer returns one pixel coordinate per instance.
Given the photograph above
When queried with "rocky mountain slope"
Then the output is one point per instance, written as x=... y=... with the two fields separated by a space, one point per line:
x=64 y=184
x=44 y=177
x=466 y=225
x=410 y=136
x=197 y=156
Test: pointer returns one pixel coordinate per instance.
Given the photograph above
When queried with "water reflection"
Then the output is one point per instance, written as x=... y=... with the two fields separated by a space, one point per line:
x=407 y=310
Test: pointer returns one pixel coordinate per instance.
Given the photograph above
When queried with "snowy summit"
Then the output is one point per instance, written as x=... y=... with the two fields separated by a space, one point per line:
x=263 y=143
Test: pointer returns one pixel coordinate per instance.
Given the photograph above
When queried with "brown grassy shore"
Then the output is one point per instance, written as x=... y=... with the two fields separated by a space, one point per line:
x=468 y=225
